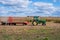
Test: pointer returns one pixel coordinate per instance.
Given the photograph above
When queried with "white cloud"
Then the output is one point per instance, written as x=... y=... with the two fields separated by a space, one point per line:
x=23 y=3
x=17 y=6
x=43 y=4
x=21 y=8
x=46 y=8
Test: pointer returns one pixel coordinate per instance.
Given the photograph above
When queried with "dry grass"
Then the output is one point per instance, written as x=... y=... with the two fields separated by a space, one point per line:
x=51 y=31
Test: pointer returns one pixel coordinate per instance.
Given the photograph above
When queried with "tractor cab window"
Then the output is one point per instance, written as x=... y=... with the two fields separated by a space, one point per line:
x=36 y=18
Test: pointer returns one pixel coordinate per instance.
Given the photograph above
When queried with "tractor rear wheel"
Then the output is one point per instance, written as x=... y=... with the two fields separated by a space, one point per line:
x=43 y=24
x=35 y=23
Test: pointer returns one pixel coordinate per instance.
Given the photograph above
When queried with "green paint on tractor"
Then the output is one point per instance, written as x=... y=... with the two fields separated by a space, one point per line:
x=37 y=21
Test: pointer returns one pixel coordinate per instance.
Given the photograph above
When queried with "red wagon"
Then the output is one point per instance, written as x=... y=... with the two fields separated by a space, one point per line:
x=10 y=22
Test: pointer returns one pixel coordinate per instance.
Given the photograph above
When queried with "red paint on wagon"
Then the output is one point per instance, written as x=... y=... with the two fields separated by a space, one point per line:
x=10 y=19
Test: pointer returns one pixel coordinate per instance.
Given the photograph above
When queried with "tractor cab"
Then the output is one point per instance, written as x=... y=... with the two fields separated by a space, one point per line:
x=36 y=18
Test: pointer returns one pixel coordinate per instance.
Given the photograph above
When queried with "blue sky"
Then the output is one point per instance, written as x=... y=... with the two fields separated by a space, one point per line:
x=55 y=2
x=30 y=8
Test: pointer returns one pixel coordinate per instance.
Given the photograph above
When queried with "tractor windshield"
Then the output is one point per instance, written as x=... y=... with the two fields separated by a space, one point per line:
x=35 y=17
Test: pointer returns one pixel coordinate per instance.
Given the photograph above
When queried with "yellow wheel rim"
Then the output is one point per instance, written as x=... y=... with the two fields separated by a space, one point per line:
x=35 y=23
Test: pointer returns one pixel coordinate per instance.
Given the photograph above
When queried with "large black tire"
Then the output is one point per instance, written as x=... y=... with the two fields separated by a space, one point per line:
x=2 y=23
x=34 y=23
x=8 y=24
x=43 y=24
x=13 y=23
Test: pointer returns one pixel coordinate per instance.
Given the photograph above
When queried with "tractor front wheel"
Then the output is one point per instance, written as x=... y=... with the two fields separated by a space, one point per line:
x=34 y=23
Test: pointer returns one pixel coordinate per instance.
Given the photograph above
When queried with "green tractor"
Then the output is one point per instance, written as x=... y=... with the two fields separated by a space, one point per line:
x=37 y=21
